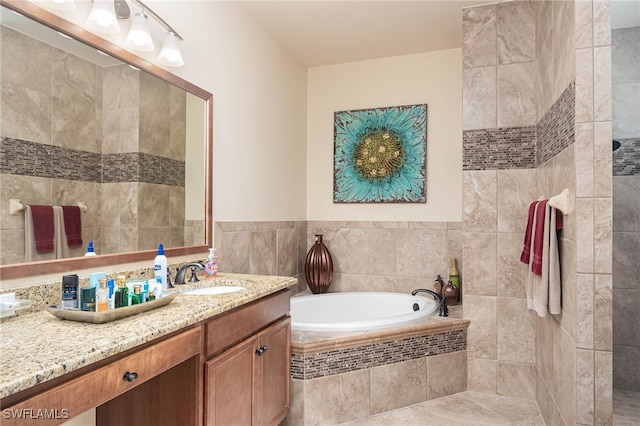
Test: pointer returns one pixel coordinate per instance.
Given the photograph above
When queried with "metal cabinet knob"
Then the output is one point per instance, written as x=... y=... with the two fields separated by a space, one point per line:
x=130 y=376
x=261 y=350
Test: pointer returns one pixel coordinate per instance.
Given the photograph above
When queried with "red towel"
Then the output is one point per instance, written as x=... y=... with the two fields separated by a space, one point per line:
x=42 y=217
x=538 y=242
x=526 y=250
x=72 y=225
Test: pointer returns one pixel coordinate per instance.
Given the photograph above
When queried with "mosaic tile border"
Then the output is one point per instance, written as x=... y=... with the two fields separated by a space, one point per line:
x=19 y=157
x=626 y=159
x=525 y=147
x=502 y=148
x=556 y=130
x=340 y=361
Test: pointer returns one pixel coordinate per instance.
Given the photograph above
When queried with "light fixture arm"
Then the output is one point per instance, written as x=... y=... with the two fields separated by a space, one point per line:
x=148 y=11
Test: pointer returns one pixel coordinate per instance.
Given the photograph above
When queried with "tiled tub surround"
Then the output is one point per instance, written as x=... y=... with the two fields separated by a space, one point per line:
x=519 y=73
x=28 y=339
x=343 y=376
x=111 y=139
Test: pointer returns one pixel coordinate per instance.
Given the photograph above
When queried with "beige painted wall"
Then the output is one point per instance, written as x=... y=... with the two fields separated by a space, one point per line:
x=433 y=78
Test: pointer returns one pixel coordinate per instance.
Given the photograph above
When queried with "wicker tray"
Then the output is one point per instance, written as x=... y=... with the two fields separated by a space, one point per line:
x=112 y=315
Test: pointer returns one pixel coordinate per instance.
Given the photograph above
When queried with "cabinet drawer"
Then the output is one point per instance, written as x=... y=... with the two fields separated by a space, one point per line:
x=232 y=327
x=95 y=388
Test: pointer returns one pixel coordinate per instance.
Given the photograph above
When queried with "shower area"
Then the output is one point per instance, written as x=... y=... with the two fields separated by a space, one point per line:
x=625 y=61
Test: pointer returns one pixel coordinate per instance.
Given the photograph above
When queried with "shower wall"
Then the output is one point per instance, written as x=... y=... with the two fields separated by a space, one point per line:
x=544 y=66
x=626 y=207
x=111 y=137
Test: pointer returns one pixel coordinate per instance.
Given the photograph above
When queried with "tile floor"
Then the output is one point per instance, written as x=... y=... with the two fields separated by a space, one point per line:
x=465 y=408
x=626 y=408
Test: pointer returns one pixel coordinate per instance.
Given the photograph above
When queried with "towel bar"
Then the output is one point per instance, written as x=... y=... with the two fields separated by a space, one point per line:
x=15 y=206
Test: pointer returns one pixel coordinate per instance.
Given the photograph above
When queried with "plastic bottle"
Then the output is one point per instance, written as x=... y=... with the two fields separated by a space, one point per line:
x=160 y=268
x=90 y=251
x=103 y=296
x=211 y=267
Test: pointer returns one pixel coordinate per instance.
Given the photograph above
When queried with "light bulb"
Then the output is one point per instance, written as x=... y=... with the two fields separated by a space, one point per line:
x=103 y=17
x=170 y=54
x=139 y=37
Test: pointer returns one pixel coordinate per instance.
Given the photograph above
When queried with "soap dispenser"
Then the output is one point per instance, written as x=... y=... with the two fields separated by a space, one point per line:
x=211 y=267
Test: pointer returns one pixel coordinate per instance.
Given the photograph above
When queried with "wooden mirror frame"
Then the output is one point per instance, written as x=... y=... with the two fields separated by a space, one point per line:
x=28 y=269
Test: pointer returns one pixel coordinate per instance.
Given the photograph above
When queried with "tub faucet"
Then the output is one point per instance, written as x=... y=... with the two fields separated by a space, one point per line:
x=183 y=270
x=442 y=300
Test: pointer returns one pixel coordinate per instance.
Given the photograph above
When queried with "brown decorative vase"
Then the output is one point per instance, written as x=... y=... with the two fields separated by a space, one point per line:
x=318 y=267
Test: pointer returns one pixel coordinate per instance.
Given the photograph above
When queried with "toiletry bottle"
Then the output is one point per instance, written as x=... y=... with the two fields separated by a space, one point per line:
x=88 y=299
x=211 y=267
x=136 y=297
x=122 y=293
x=103 y=296
x=157 y=288
x=70 y=291
x=454 y=276
x=111 y=284
x=90 y=251
x=160 y=268
x=151 y=296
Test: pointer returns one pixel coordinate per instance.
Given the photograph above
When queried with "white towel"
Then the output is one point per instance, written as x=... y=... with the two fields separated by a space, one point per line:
x=544 y=291
x=62 y=249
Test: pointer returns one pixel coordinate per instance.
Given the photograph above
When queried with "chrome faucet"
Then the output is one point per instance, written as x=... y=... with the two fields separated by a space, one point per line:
x=195 y=266
x=442 y=300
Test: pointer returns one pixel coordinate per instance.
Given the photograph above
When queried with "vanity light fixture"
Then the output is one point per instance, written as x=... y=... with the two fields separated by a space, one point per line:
x=170 y=54
x=102 y=17
x=139 y=37
x=61 y=4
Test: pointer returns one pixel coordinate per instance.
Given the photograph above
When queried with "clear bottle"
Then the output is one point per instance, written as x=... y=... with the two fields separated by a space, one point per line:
x=136 y=297
x=160 y=268
x=211 y=267
x=103 y=296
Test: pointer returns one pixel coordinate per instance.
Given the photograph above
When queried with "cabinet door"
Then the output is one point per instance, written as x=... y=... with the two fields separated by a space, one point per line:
x=271 y=386
x=228 y=386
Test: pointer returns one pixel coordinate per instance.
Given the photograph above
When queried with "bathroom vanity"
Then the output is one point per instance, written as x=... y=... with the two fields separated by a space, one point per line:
x=212 y=360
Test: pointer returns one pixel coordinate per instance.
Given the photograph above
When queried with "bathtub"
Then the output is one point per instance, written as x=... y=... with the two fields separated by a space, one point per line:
x=357 y=310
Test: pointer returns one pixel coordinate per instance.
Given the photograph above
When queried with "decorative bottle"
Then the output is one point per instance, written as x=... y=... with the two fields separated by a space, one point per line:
x=318 y=267
x=454 y=275
x=136 y=297
x=450 y=292
x=438 y=285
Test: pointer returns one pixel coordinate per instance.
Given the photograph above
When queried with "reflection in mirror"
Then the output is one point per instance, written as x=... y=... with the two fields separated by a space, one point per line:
x=77 y=126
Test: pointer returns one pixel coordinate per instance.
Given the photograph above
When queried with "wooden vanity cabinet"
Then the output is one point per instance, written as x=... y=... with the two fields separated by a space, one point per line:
x=248 y=382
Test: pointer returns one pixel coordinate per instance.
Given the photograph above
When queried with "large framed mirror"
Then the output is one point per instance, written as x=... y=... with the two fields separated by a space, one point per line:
x=126 y=138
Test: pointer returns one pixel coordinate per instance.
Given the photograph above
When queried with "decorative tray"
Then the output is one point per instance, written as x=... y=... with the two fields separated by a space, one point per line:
x=72 y=314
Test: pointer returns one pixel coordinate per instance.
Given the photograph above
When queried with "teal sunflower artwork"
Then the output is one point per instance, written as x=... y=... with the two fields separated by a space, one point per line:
x=380 y=155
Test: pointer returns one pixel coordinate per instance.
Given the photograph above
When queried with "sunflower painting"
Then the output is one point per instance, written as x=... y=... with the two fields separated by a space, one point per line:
x=380 y=155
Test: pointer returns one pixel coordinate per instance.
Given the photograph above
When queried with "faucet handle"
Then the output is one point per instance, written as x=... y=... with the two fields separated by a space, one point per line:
x=194 y=275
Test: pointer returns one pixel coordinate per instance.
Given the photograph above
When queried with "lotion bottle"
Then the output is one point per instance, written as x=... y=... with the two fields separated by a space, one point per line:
x=160 y=268
x=211 y=267
x=90 y=251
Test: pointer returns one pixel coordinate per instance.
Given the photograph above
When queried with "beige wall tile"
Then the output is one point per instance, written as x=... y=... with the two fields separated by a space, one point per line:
x=337 y=399
x=603 y=235
x=602 y=83
x=12 y=246
x=603 y=387
x=286 y=252
x=421 y=253
x=480 y=201
x=603 y=317
x=372 y=251
x=262 y=258
x=296 y=412
x=584 y=85
x=602 y=165
x=569 y=316
x=482 y=375
x=563 y=33
x=564 y=374
x=517 y=380
x=584 y=160
x=479 y=36
x=446 y=374
x=515 y=193
x=516 y=31
x=544 y=351
x=512 y=274
x=479 y=94
x=585 y=293
x=233 y=248
x=585 y=237
x=585 y=381
x=546 y=404
x=584 y=24
x=516 y=331
x=601 y=22
x=482 y=333
x=480 y=253
x=398 y=385
x=544 y=58
x=516 y=95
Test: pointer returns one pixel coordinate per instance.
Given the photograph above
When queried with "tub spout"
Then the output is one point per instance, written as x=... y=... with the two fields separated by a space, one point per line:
x=442 y=301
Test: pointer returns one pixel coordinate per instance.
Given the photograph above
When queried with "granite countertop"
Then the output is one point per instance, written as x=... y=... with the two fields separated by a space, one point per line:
x=38 y=347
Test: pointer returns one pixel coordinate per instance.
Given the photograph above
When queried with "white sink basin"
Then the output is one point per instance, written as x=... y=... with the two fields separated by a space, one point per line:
x=214 y=290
